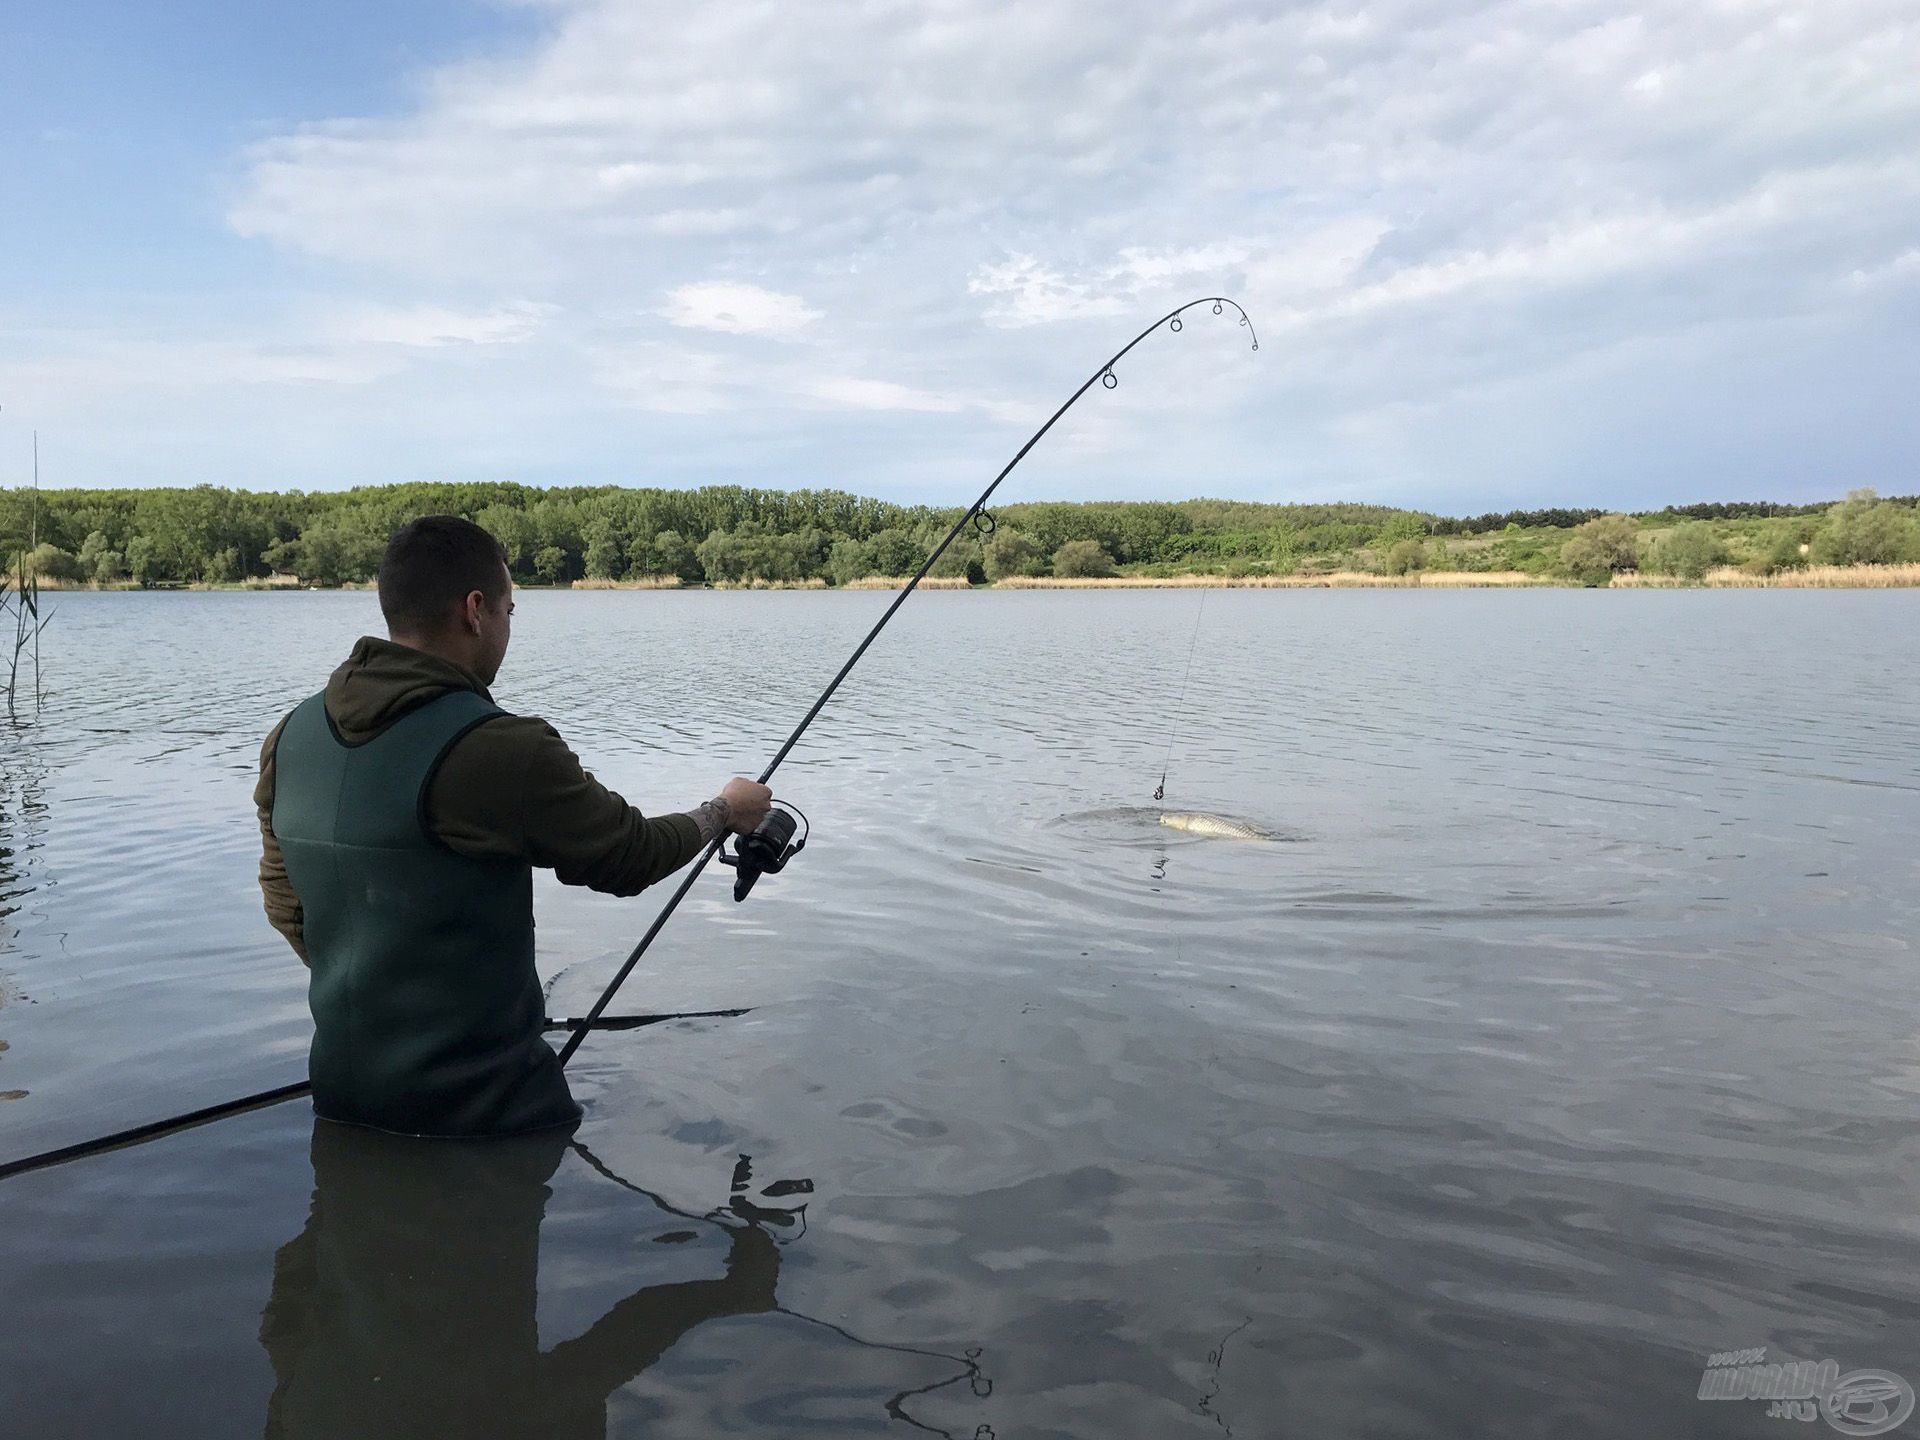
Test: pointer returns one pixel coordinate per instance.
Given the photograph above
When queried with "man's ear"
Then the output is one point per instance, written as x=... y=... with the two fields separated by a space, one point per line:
x=476 y=602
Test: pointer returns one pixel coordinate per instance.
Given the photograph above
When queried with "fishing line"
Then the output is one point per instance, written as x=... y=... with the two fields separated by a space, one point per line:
x=1173 y=729
x=969 y=1359
x=976 y=515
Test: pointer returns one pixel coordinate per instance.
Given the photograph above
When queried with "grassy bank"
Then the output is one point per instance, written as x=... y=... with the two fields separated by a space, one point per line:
x=736 y=537
x=1725 y=577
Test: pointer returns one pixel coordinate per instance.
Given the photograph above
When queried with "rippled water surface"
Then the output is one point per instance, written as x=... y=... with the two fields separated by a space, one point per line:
x=1564 y=1033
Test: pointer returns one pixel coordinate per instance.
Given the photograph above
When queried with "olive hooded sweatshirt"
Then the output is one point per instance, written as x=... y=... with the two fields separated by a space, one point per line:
x=509 y=789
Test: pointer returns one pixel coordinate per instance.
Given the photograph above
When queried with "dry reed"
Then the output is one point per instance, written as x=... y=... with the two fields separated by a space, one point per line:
x=1335 y=580
x=1812 y=577
x=897 y=582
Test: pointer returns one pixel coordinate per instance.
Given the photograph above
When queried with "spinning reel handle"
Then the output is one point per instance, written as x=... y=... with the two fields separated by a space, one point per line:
x=765 y=850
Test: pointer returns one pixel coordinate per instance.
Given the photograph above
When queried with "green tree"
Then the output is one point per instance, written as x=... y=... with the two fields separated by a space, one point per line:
x=670 y=553
x=50 y=562
x=516 y=532
x=1786 y=550
x=1404 y=556
x=141 y=564
x=754 y=550
x=896 y=552
x=1866 y=530
x=1601 y=548
x=329 y=552
x=848 y=560
x=1403 y=525
x=1687 y=551
x=1012 y=552
x=550 y=564
x=1082 y=559
x=603 y=558
x=99 y=561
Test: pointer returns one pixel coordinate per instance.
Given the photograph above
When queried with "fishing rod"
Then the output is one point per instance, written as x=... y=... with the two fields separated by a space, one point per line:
x=765 y=851
x=227 y=1109
x=768 y=848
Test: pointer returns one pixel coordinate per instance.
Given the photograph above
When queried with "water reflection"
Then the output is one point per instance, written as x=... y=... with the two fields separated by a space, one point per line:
x=23 y=824
x=406 y=1307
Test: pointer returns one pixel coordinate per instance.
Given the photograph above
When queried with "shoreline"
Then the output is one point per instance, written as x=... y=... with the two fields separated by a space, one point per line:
x=1813 y=577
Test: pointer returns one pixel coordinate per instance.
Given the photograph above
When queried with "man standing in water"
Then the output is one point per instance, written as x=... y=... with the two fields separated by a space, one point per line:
x=401 y=815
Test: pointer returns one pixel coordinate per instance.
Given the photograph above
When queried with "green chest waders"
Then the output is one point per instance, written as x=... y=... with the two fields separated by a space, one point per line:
x=426 y=1007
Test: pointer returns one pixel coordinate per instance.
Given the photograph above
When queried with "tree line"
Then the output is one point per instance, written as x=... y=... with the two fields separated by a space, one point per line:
x=741 y=535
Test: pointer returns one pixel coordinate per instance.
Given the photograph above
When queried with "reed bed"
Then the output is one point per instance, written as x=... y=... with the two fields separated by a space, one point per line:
x=1812 y=577
x=1335 y=580
x=898 y=582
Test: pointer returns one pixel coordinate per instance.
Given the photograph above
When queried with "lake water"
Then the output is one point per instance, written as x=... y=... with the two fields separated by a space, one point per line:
x=1565 y=1036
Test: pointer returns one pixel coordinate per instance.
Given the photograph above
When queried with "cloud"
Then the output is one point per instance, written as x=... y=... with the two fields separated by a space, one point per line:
x=1444 y=211
x=860 y=394
x=428 y=326
x=668 y=379
x=1026 y=292
x=1902 y=269
x=738 y=310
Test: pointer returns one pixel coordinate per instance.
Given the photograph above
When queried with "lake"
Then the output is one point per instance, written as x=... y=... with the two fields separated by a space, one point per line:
x=1563 y=1038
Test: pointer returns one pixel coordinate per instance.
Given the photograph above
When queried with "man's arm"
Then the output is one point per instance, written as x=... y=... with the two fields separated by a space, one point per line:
x=283 y=906
x=511 y=789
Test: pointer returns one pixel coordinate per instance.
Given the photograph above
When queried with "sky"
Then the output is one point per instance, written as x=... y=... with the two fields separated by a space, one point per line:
x=1499 y=253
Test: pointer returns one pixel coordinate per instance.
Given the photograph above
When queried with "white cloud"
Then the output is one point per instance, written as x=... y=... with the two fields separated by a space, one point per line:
x=428 y=327
x=1025 y=291
x=1426 y=200
x=738 y=310
x=1903 y=268
x=860 y=394
x=667 y=379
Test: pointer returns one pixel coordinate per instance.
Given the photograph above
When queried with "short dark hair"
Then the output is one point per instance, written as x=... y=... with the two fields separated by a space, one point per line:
x=432 y=565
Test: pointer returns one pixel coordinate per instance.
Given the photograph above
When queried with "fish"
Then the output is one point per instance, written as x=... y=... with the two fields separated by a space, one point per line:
x=1214 y=827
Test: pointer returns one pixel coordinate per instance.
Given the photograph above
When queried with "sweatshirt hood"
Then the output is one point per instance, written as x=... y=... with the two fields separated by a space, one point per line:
x=381 y=681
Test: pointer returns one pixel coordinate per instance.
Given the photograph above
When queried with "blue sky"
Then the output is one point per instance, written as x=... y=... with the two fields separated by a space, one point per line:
x=1502 y=252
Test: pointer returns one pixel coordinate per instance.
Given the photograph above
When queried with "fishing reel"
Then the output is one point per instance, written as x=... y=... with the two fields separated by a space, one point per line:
x=767 y=848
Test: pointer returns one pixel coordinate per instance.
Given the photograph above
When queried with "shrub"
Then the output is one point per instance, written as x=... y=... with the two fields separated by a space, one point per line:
x=1011 y=552
x=50 y=562
x=896 y=552
x=1403 y=526
x=669 y=553
x=1601 y=548
x=1688 y=551
x=1865 y=530
x=850 y=560
x=1787 y=550
x=1082 y=560
x=1404 y=556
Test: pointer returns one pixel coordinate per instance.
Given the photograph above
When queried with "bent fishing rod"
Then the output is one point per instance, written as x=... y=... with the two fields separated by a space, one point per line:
x=765 y=851
x=771 y=845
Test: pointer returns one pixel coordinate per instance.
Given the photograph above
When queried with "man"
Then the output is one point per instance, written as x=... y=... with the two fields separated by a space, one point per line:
x=401 y=815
